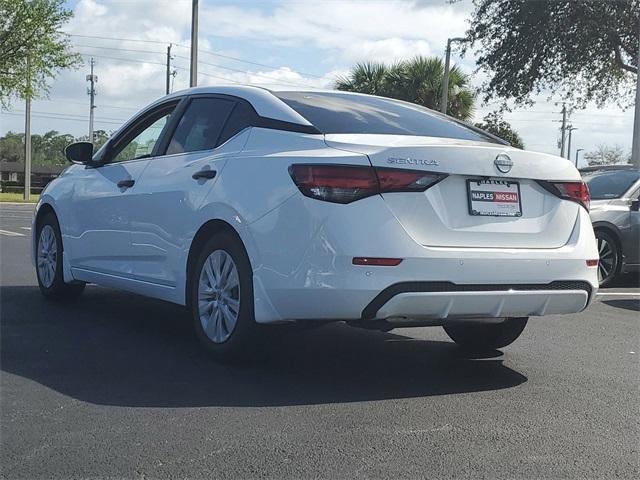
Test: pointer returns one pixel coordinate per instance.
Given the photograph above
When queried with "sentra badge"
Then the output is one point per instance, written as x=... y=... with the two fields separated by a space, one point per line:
x=411 y=161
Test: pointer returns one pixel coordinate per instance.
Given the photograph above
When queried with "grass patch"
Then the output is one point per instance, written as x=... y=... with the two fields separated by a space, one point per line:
x=17 y=197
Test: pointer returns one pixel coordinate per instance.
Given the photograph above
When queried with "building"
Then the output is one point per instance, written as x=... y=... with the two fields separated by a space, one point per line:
x=12 y=176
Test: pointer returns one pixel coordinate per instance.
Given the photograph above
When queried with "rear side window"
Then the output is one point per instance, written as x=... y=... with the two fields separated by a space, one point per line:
x=241 y=117
x=201 y=125
x=349 y=113
x=610 y=184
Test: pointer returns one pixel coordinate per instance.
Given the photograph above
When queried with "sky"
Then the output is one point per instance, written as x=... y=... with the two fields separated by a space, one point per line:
x=284 y=42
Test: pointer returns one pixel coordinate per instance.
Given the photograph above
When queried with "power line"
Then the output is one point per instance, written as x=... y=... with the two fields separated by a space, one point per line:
x=264 y=65
x=283 y=82
x=118 y=48
x=203 y=50
x=54 y=117
x=75 y=115
x=117 y=39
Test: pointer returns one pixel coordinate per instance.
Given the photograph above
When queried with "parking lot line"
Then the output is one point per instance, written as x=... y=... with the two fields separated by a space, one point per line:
x=618 y=294
x=11 y=234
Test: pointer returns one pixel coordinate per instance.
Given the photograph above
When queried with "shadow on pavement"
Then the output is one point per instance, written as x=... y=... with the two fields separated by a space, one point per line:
x=628 y=280
x=627 y=304
x=114 y=348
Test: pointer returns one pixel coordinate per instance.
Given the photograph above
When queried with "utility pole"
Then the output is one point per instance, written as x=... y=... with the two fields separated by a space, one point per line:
x=445 y=79
x=563 y=129
x=168 y=69
x=577 y=152
x=570 y=129
x=635 y=148
x=92 y=79
x=27 y=135
x=193 y=77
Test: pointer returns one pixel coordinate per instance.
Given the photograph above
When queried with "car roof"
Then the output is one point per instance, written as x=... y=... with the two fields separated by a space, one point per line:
x=263 y=101
x=605 y=168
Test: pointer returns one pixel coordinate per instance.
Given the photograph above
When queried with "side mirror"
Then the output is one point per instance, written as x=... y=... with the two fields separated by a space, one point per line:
x=79 y=152
x=635 y=205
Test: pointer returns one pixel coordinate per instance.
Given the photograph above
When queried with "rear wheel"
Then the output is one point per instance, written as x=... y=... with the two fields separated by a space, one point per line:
x=221 y=298
x=49 y=262
x=486 y=336
x=609 y=263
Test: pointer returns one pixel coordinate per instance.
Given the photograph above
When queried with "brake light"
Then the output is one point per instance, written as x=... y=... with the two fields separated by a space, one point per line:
x=348 y=183
x=575 y=191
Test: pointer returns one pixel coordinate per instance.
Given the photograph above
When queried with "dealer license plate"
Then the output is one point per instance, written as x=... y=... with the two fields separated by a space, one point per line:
x=494 y=198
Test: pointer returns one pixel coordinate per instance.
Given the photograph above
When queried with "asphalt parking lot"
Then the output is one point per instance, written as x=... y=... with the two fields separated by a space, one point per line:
x=116 y=386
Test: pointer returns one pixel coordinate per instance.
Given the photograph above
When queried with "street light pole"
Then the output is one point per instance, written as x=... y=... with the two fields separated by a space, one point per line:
x=570 y=128
x=635 y=148
x=92 y=79
x=27 y=135
x=577 y=152
x=193 y=77
x=445 y=78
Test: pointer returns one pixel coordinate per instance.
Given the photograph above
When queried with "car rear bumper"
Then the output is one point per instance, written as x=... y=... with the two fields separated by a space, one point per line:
x=442 y=300
x=314 y=277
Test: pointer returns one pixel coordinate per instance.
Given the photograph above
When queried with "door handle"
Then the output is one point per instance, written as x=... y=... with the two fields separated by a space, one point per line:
x=126 y=183
x=206 y=174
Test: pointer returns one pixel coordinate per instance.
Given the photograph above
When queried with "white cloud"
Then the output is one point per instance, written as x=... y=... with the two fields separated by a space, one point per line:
x=394 y=27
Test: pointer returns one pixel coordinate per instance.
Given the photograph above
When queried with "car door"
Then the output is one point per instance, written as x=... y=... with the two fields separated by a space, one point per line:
x=100 y=240
x=631 y=241
x=210 y=130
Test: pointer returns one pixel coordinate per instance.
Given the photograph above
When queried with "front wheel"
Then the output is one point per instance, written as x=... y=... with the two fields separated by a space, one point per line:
x=221 y=298
x=486 y=336
x=49 y=262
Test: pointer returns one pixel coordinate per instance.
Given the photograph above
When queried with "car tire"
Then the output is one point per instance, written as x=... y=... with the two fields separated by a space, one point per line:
x=221 y=298
x=49 y=270
x=486 y=336
x=610 y=256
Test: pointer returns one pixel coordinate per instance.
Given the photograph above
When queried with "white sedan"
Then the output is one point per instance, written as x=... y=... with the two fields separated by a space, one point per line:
x=253 y=206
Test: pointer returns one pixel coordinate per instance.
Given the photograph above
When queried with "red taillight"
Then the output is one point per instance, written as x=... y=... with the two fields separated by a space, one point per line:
x=575 y=191
x=348 y=183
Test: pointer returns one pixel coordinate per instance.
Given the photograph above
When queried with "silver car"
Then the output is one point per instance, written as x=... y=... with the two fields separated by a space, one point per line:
x=615 y=217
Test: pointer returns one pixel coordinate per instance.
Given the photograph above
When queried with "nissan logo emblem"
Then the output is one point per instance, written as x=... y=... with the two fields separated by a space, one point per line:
x=503 y=163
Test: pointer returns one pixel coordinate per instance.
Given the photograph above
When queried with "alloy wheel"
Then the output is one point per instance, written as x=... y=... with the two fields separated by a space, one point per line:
x=219 y=296
x=608 y=259
x=47 y=256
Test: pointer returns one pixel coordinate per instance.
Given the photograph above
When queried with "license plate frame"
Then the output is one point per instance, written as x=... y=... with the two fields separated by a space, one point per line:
x=485 y=203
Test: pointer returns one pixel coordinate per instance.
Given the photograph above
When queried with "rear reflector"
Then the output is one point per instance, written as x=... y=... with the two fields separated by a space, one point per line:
x=592 y=263
x=575 y=191
x=348 y=183
x=377 y=262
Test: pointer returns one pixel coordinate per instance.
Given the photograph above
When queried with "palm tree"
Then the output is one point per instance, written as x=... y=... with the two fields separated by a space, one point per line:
x=418 y=80
x=368 y=77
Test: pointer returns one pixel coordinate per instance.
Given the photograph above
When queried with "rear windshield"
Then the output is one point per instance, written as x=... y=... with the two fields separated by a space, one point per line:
x=345 y=113
x=610 y=184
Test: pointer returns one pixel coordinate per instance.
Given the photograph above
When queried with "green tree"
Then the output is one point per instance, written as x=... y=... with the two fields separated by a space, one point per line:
x=584 y=50
x=46 y=149
x=32 y=47
x=606 y=155
x=12 y=147
x=418 y=80
x=498 y=126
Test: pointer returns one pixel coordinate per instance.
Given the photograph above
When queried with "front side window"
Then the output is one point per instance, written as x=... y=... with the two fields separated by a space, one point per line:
x=145 y=135
x=349 y=113
x=201 y=125
x=610 y=184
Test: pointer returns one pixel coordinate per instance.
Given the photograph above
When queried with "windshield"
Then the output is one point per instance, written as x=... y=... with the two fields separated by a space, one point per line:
x=610 y=184
x=348 y=113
